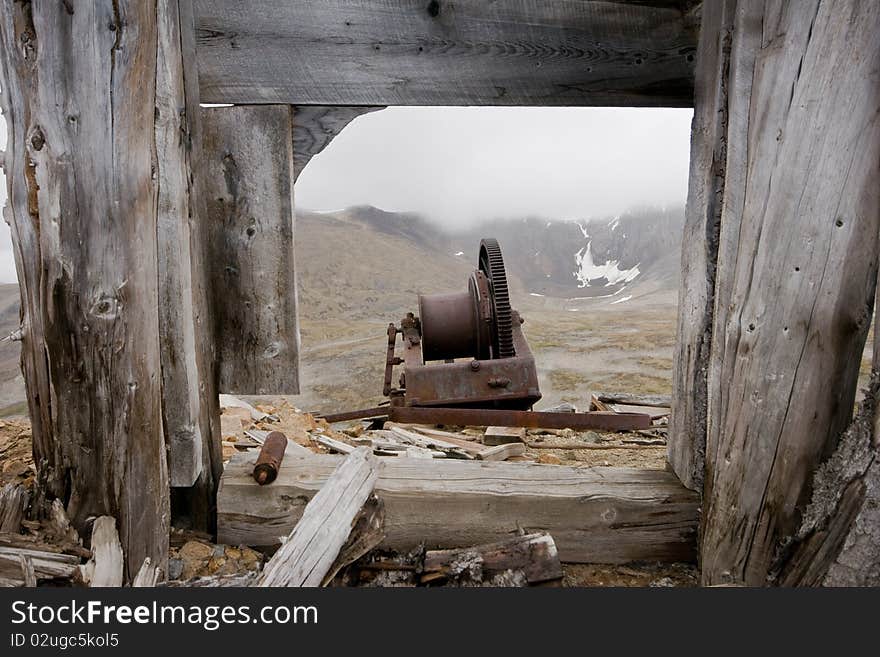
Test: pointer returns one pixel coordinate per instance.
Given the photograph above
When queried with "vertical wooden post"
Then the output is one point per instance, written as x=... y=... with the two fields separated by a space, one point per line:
x=797 y=266
x=78 y=93
x=687 y=431
x=247 y=173
x=189 y=389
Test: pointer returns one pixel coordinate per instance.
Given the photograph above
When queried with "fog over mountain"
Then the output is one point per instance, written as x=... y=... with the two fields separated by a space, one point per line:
x=460 y=165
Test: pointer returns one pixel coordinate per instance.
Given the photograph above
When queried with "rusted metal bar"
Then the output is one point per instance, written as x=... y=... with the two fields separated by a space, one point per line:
x=480 y=417
x=269 y=460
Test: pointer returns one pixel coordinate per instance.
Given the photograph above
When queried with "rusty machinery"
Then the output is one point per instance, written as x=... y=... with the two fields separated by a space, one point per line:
x=466 y=362
x=465 y=349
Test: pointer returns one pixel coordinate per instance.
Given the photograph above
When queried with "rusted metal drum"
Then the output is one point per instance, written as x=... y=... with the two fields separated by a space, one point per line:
x=459 y=324
x=449 y=327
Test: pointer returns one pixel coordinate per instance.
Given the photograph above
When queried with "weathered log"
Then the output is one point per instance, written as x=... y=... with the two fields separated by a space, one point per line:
x=696 y=295
x=598 y=515
x=797 y=268
x=247 y=175
x=79 y=92
x=534 y=555
x=467 y=52
x=310 y=550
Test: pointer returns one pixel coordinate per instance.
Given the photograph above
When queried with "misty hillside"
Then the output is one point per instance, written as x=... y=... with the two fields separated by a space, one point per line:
x=362 y=259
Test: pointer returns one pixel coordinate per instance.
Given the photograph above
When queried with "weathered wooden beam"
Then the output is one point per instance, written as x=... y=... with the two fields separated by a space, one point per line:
x=309 y=552
x=467 y=52
x=189 y=395
x=79 y=95
x=247 y=173
x=797 y=267
x=699 y=253
x=315 y=126
x=602 y=515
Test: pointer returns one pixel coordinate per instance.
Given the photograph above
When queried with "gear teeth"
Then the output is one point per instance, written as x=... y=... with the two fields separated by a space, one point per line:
x=491 y=263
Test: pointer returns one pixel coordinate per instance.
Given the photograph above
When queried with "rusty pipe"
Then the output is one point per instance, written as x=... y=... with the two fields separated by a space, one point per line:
x=269 y=460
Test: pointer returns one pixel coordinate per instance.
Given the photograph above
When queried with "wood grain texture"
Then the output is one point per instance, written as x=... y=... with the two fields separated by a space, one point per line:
x=600 y=515
x=315 y=126
x=310 y=551
x=462 y=52
x=247 y=174
x=796 y=270
x=696 y=296
x=79 y=97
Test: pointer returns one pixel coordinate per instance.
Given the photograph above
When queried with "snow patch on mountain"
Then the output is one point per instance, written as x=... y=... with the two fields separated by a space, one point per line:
x=610 y=270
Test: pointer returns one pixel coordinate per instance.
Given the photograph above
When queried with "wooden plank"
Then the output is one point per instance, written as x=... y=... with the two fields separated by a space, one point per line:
x=315 y=126
x=502 y=435
x=333 y=444
x=189 y=397
x=312 y=547
x=502 y=452
x=79 y=96
x=247 y=173
x=189 y=393
x=468 y=52
x=601 y=515
x=798 y=261
x=699 y=254
x=629 y=399
x=432 y=441
x=535 y=555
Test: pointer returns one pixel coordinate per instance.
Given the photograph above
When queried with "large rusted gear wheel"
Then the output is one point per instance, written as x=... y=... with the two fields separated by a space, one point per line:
x=491 y=263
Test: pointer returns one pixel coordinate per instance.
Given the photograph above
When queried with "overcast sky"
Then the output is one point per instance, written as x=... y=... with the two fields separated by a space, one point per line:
x=464 y=164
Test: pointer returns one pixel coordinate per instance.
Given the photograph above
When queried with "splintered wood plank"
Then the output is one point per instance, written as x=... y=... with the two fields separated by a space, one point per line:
x=326 y=522
x=247 y=175
x=600 y=515
x=467 y=52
